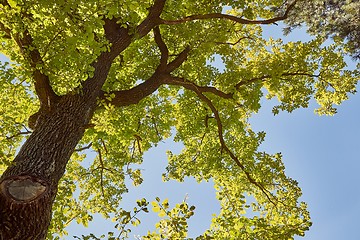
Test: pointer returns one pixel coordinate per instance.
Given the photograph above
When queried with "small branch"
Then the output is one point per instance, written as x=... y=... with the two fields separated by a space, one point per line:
x=138 y=140
x=225 y=191
x=253 y=80
x=198 y=153
x=268 y=195
x=156 y=128
x=123 y=225
x=170 y=80
x=18 y=134
x=50 y=42
x=234 y=43
x=206 y=121
x=25 y=127
x=264 y=77
x=101 y=172
x=89 y=125
x=162 y=47
x=228 y=17
x=133 y=151
x=83 y=148
x=105 y=148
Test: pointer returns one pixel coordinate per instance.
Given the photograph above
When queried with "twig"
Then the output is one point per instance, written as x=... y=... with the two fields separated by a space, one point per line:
x=101 y=172
x=156 y=128
x=228 y=17
x=83 y=148
x=231 y=154
x=103 y=143
x=138 y=139
x=265 y=77
x=233 y=44
x=18 y=134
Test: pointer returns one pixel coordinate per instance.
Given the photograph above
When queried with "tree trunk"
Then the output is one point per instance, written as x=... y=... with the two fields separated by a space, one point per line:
x=28 y=187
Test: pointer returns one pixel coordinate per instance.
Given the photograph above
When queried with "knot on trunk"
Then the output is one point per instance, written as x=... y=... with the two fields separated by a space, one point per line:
x=33 y=119
x=23 y=188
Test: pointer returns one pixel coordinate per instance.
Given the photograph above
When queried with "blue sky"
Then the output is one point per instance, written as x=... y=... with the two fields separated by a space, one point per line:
x=322 y=153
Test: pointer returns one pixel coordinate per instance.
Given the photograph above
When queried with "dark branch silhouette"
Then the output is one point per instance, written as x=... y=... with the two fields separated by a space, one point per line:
x=268 y=194
x=228 y=17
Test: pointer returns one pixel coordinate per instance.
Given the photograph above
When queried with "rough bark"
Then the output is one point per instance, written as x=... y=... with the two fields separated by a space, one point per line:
x=29 y=185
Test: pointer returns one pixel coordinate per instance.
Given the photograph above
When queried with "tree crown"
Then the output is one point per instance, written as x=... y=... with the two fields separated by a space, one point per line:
x=193 y=69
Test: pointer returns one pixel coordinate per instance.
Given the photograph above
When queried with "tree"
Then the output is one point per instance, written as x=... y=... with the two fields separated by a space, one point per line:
x=119 y=77
x=335 y=18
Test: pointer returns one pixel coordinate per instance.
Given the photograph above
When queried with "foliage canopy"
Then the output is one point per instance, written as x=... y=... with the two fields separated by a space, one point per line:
x=165 y=83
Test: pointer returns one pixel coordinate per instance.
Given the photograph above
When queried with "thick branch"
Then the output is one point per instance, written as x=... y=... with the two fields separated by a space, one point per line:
x=139 y=92
x=162 y=47
x=5 y=31
x=43 y=89
x=178 y=60
x=29 y=51
x=192 y=86
x=120 y=38
x=153 y=18
x=228 y=17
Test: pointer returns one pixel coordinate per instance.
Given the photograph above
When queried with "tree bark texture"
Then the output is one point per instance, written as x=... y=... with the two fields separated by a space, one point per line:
x=28 y=187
